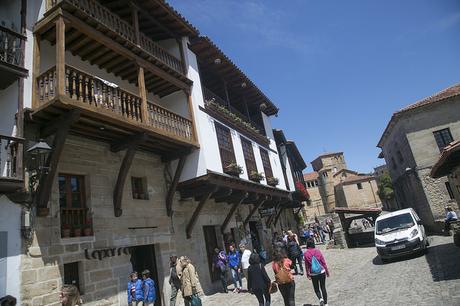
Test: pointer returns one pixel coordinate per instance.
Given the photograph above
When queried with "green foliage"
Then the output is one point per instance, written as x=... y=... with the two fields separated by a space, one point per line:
x=386 y=191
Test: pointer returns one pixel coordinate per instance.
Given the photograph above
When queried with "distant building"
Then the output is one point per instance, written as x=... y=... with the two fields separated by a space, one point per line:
x=314 y=207
x=357 y=191
x=327 y=165
x=411 y=145
x=449 y=165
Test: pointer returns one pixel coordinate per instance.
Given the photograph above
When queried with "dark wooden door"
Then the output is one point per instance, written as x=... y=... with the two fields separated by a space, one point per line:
x=142 y=258
x=210 y=239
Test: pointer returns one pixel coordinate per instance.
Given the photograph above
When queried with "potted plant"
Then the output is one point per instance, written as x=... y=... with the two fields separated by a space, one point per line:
x=233 y=169
x=77 y=231
x=256 y=176
x=65 y=231
x=88 y=229
x=272 y=181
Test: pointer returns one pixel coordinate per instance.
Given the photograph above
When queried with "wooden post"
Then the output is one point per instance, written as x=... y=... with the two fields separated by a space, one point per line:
x=254 y=209
x=60 y=56
x=36 y=71
x=231 y=212
x=192 y=116
x=196 y=213
x=182 y=56
x=143 y=95
x=135 y=16
x=173 y=187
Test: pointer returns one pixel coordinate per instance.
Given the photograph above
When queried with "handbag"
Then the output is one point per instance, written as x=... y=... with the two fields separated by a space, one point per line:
x=273 y=288
x=195 y=301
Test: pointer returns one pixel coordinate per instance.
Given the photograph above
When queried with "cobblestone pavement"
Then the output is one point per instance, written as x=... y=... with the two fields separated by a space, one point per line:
x=358 y=277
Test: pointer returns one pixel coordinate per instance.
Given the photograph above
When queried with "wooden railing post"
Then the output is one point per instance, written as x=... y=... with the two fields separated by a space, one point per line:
x=192 y=116
x=135 y=16
x=143 y=95
x=60 y=57
x=35 y=70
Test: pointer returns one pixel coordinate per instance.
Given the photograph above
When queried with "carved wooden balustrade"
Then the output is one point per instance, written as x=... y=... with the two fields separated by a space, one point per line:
x=10 y=147
x=11 y=46
x=112 y=21
x=100 y=94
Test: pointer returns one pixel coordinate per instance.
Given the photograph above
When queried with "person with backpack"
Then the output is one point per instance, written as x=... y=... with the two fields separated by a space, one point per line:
x=316 y=270
x=258 y=280
x=234 y=263
x=149 y=289
x=295 y=253
x=135 y=292
x=283 y=277
x=220 y=264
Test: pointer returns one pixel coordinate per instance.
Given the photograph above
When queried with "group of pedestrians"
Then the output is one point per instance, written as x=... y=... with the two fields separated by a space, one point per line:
x=141 y=292
x=318 y=231
x=184 y=277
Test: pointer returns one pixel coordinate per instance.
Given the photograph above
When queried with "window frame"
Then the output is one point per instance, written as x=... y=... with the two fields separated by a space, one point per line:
x=442 y=138
x=265 y=157
x=68 y=190
x=142 y=190
x=223 y=151
x=79 y=279
x=249 y=157
x=359 y=185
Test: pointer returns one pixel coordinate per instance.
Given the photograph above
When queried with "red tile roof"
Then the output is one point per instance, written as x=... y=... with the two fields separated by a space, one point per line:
x=439 y=97
x=310 y=176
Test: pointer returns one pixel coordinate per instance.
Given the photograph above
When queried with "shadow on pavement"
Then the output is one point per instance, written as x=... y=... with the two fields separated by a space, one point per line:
x=378 y=261
x=443 y=261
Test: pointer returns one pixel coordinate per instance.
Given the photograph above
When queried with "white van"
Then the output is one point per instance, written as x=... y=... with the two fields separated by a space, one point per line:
x=399 y=233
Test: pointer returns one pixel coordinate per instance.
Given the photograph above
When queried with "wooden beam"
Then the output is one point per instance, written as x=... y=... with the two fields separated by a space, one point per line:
x=35 y=70
x=254 y=209
x=135 y=22
x=128 y=142
x=192 y=116
x=196 y=213
x=174 y=183
x=277 y=216
x=53 y=127
x=232 y=211
x=47 y=179
x=122 y=174
x=155 y=21
x=60 y=56
x=142 y=95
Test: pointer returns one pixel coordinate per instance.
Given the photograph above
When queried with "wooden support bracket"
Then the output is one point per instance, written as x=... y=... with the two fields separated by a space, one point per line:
x=254 y=209
x=46 y=179
x=232 y=211
x=278 y=216
x=196 y=213
x=173 y=187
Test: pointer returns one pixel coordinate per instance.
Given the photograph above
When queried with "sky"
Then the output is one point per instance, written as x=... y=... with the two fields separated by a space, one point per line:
x=336 y=69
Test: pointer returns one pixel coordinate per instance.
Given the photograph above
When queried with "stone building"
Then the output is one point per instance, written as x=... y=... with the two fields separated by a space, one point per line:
x=142 y=164
x=411 y=145
x=449 y=165
x=326 y=165
x=314 y=206
x=357 y=191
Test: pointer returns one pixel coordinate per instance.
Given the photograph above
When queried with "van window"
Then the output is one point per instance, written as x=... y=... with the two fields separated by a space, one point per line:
x=395 y=223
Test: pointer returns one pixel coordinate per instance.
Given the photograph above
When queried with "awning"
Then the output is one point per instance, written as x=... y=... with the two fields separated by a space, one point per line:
x=449 y=160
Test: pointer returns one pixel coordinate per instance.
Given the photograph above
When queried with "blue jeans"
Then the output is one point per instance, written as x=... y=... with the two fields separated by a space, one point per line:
x=236 y=277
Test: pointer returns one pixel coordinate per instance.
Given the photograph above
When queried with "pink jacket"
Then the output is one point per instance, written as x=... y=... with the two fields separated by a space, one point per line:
x=309 y=253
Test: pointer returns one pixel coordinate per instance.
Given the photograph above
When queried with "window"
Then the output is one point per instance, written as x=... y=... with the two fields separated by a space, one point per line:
x=443 y=138
x=334 y=170
x=266 y=163
x=139 y=188
x=249 y=158
x=449 y=190
x=72 y=275
x=360 y=185
x=325 y=174
x=316 y=183
x=72 y=201
x=224 y=140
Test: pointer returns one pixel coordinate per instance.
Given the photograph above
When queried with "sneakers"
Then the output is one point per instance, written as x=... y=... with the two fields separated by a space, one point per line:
x=321 y=302
x=236 y=290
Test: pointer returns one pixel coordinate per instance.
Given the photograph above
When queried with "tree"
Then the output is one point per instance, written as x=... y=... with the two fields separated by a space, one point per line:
x=386 y=191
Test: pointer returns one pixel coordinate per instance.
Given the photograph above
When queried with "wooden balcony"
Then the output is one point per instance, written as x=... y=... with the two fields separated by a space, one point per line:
x=98 y=35
x=110 y=112
x=11 y=176
x=11 y=56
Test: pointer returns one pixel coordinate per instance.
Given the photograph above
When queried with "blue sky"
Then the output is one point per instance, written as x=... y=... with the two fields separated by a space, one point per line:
x=336 y=69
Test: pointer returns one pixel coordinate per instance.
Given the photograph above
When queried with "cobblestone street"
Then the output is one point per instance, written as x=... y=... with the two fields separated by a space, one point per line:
x=358 y=277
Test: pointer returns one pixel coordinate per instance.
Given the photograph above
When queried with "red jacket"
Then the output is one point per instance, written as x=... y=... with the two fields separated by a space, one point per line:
x=309 y=253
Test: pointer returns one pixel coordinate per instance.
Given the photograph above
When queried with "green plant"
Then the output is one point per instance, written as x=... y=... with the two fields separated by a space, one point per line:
x=234 y=168
x=385 y=188
x=256 y=176
x=272 y=181
x=232 y=116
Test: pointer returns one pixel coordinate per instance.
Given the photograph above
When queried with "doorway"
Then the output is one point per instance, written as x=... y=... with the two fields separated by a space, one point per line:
x=255 y=237
x=210 y=240
x=143 y=257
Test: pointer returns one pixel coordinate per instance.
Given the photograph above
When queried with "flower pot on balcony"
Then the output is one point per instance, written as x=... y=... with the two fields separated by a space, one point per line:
x=77 y=232
x=256 y=177
x=233 y=169
x=272 y=181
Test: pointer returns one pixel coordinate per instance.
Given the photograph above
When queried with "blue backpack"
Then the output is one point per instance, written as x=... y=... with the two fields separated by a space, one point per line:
x=315 y=266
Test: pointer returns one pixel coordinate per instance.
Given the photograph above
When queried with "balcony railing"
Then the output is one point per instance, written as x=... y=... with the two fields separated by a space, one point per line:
x=114 y=23
x=10 y=148
x=100 y=94
x=11 y=44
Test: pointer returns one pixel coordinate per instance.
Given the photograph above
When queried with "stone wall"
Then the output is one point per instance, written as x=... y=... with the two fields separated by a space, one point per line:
x=361 y=198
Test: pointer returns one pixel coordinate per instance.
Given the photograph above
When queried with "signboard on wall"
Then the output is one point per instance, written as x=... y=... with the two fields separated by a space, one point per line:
x=265 y=212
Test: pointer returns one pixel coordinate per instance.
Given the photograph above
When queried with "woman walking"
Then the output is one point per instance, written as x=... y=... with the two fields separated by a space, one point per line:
x=220 y=264
x=316 y=271
x=258 y=280
x=234 y=263
x=295 y=254
x=282 y=267
x=190 y=284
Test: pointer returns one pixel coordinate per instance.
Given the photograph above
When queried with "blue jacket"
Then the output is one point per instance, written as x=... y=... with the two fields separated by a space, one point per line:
x=138 y=294
x=149 y=291
x=233 y=259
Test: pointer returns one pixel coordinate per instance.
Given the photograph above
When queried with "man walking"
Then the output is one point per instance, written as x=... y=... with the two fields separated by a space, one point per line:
x=174 y=280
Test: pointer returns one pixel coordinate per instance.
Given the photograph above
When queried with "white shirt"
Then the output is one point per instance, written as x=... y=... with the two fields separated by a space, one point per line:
x=245 y=259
